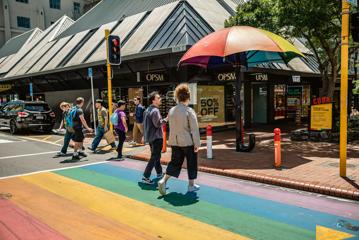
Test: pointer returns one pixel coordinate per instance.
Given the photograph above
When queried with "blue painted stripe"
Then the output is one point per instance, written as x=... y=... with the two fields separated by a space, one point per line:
x=300 y=217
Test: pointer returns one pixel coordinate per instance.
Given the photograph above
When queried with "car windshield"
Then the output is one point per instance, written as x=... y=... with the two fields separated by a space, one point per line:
x=37 y=107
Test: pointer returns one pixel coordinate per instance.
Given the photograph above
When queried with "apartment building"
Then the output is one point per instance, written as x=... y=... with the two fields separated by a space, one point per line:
x=19 y=16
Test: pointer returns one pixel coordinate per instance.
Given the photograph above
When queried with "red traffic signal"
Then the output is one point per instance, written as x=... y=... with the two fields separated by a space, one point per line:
x=114 y=50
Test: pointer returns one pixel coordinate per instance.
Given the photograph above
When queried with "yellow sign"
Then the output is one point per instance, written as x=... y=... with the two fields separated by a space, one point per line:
x=321 y=117
x=5 y=87
x=210 y=106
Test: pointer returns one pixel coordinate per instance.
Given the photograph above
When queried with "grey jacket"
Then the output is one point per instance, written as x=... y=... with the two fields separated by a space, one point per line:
x=184 y=129
x=152 y=124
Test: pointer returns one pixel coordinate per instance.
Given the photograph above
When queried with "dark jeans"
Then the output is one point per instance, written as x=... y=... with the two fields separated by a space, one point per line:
x=155 y=160
x=178 y=155
x=67 y=138
x=100 y=131
x=121 y=139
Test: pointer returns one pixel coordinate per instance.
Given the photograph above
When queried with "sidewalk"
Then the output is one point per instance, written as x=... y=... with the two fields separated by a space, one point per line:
x=308 y=166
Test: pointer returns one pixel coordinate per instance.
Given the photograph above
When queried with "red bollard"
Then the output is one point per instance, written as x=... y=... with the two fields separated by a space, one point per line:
x=209 y=142
x=164 y=144
x=277 y=148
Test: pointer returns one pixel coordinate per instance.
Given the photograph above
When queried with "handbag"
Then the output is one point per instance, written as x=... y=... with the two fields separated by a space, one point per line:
x=110 y=137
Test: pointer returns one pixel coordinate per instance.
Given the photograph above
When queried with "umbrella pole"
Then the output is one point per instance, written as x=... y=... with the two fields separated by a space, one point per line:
x=239 y=141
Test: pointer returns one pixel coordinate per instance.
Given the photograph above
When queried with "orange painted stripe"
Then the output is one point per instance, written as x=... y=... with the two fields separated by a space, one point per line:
x=72 y=220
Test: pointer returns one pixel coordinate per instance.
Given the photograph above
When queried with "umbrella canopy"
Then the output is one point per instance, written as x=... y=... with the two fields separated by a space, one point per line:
x=221 y=47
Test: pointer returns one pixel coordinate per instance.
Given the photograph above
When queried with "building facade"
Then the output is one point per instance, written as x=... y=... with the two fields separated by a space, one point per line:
x=19 y=16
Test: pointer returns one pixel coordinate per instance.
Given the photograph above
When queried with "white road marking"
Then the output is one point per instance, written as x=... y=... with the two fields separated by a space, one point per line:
x=5 y=141
x=51 y=170
x=27 y=155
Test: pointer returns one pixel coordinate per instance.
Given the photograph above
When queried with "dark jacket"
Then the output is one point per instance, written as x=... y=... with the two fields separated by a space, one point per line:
x=152 y=124
x=139 y=113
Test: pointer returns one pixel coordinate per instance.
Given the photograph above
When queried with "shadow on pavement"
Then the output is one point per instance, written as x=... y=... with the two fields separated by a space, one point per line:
x=351 y=182
x=178 y=199
x=73 y=160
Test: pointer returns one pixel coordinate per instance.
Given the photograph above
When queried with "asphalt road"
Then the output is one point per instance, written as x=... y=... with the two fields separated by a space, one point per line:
x=109 y=197
x=33 y=152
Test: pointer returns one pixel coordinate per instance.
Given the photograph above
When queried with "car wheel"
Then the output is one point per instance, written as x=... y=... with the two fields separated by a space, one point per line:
x=13 y=128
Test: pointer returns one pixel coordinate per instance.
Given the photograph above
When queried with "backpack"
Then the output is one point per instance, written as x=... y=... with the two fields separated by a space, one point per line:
x=114 y=118
x=69 y=118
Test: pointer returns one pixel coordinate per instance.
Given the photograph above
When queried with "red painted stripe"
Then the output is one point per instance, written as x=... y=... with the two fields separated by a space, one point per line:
x=16 y=224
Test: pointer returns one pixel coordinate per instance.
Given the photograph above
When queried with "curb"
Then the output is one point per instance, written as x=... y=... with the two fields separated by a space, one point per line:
x=303 y=186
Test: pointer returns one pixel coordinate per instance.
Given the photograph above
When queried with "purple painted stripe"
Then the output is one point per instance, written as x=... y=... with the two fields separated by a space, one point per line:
x=312 y=202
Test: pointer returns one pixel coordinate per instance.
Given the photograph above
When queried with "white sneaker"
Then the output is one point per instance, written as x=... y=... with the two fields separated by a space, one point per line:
x=162 y=187
x=193 y=188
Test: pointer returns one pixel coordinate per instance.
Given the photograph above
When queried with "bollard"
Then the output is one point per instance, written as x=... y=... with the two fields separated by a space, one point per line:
x=209 y=142
x=277 y=150
x=164 y=144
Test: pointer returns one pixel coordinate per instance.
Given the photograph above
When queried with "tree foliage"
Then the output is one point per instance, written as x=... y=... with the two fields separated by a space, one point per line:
x=317 y=23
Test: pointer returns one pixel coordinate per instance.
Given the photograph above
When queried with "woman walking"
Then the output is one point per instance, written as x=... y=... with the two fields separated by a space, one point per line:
x=184 y=139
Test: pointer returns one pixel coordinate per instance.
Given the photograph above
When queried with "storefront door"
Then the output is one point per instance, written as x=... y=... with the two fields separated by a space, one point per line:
x=260 y=92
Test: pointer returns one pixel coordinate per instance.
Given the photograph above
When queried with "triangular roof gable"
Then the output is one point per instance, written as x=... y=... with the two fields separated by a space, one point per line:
x=183 y=27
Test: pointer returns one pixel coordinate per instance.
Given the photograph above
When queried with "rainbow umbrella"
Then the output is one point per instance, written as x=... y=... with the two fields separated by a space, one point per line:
x=240 y=47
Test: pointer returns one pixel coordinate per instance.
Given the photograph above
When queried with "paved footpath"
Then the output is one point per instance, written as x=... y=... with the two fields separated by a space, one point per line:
x=107 y=201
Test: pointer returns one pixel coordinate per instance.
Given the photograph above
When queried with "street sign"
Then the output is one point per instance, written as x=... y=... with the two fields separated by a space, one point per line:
x=296 y=79
x=89 y=72
x=353 y=2
x=31 y=90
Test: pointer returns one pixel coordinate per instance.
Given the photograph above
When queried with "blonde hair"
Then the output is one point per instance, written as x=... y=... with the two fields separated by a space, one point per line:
x=64 y=104
x=182 y=93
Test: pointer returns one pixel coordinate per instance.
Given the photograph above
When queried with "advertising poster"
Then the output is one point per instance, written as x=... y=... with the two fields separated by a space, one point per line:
x=321 y=117
x=294 y=100
x=210 y=104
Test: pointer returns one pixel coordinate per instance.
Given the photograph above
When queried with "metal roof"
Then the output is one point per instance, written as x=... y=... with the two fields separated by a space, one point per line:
x=14 y=44
x=146 y=28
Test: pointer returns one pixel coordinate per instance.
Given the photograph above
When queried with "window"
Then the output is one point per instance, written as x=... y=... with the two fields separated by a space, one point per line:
x=56 y=4
x=77 y=7
x=23 y=22
x=23 y=1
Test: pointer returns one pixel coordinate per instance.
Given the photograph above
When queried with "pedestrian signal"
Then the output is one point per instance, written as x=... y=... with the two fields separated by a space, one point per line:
x=114 y=50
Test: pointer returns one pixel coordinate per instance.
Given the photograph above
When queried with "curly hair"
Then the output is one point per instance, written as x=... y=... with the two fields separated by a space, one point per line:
x=182 y=93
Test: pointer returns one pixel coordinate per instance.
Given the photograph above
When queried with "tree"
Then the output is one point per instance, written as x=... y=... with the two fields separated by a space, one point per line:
x=317 y=22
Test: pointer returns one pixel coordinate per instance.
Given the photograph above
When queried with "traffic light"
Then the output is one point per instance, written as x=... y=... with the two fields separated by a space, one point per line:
x=355 y=26
x=114 y=50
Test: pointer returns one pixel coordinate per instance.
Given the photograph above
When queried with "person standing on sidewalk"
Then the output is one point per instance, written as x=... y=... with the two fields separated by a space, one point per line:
x=121 y=128
x=153 y=135
x=78 y=123
x=184 y=139
x=138 y=124
x=102 y=127
x=65 y=107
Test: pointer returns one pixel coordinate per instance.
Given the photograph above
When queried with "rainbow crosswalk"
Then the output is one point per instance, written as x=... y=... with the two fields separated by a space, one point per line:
x=106 y=201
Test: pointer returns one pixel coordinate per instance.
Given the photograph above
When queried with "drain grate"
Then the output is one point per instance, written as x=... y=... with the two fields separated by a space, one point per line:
x=337 y=165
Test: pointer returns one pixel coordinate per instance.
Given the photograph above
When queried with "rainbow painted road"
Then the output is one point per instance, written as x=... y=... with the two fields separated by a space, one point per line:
x=107 y=201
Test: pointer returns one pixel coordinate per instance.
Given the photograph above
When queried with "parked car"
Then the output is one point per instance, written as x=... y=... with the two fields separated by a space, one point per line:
x=21 y=115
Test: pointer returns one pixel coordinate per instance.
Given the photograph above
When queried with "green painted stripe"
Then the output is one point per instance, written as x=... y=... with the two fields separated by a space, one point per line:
x=232 y=220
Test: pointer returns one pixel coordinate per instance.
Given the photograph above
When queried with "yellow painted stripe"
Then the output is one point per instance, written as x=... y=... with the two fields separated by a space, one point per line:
x=143 y=217
x=68 y=218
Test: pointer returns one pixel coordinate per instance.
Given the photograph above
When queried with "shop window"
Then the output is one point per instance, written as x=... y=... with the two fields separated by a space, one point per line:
x=279 y=102
x=23 y=22
x=55 y=4
x=77 y=8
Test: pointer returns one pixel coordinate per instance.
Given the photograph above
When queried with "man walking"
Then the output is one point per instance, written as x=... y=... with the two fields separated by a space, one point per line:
x=102 y=127
x=154 y=136
x=65 y=107
x=78 y=123
x=138 y=124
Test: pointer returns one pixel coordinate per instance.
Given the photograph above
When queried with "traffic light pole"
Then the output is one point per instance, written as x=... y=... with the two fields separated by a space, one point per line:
x=344 y=88
x=109 y=78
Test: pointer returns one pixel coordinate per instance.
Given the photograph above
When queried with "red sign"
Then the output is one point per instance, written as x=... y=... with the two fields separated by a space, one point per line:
x=321 y=100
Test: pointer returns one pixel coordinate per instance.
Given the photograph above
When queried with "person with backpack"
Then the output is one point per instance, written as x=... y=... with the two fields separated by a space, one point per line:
x=65 y=107
x=118 y=119
x=153 y=135
x=138 y=124
x=78 y=122
x=102 y=127
x=184 y=139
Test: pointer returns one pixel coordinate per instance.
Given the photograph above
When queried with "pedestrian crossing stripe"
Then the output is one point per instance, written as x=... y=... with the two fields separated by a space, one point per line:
x=5 y=141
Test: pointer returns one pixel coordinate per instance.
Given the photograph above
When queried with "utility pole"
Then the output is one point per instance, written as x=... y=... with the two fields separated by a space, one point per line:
x=344 y=88
x=109 y=77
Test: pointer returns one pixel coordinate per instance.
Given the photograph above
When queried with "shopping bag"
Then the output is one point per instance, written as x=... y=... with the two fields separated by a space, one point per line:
x=110 y=137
